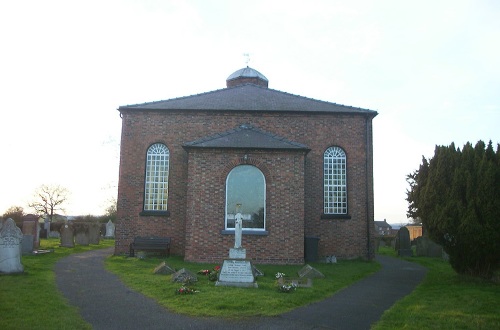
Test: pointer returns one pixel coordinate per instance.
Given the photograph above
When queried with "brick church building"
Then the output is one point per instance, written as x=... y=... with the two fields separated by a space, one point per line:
x=294 y=167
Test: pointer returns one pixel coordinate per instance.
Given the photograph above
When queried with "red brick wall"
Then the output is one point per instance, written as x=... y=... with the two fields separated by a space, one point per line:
x=202 y=206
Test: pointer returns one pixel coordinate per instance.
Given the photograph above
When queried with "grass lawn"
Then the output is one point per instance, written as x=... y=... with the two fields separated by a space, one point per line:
x=445 y=300
x=31 y=300
x=231 y=302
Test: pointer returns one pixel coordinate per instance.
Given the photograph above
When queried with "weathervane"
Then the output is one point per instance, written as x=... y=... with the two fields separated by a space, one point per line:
x=247 y=58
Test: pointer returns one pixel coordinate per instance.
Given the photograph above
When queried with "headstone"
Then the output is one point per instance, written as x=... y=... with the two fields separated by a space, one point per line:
x=184 y=276
x=82 y=234
x=27 y=244
x=10 y=248
x=403 y=244
x=163 y=269
x=67 y=236
x=110 y=229
x=31 y=227
x=54 y=234
x=427 y=248
x=94 y=233
x=310 y=272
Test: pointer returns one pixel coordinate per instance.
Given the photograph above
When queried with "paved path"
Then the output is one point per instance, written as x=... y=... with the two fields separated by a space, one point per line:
x=106 y=303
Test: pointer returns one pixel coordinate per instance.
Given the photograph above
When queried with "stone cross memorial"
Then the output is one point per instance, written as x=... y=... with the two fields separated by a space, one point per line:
x=237 y=270
x=10 y=248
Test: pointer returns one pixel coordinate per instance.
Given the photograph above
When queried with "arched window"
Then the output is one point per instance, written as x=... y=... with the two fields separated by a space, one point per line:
x=156 y=180
x=335 y=181
x=246 y=194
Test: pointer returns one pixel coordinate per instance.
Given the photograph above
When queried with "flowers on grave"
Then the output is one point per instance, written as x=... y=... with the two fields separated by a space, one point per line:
x=212 y=274
x=283 y=285
x=185 y=290
x=287 y=288
x=280 y=275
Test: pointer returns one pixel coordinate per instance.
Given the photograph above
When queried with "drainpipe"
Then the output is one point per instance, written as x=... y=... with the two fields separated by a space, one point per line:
x=367 y=193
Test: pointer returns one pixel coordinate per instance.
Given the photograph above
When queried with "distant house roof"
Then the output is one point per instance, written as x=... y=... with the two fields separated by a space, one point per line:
x=246 y=136
x=248 y=97
x=382 y=224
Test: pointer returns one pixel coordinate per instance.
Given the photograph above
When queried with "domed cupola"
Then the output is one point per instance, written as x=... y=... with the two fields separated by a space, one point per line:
x=247 y=76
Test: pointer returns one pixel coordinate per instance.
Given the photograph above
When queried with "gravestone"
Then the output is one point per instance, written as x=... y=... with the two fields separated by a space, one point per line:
x=310 y=272
x=82 y=234
x=27 y=244
x=403 y=244
x=427 y=248
x=10 y=248
x=184 y=276
x=94 y=233
x=67 y=236
x=31 y=227
x=237 y=270
x=110 y=230
x=163 y=269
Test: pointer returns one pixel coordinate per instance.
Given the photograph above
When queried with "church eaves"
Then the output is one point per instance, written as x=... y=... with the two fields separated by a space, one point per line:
x=247 y=97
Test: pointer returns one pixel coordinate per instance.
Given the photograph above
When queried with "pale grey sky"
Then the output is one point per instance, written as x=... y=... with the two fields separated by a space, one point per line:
x=430 y=68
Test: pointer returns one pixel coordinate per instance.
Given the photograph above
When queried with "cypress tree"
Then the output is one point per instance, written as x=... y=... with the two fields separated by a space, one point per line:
x=456 y=194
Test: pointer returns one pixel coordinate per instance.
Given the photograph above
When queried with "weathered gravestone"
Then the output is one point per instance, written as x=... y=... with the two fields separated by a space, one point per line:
x=10 y=248
x=163 y=269
x=31 y=227
x=94 y=233
x=82 y=234
x=67 y=236
x=403 y=244
x=310 y=272
x=427 y=248
x=27 y=244
x=184 y=276
x=110 y=229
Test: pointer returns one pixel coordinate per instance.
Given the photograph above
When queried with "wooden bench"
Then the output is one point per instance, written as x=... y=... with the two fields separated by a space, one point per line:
x=161 y=244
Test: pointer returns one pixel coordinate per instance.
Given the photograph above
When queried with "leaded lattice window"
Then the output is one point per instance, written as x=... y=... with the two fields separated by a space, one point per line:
x=156 y=180
x=335 y=181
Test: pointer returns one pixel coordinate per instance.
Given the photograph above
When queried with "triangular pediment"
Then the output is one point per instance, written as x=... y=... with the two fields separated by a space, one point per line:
x=243 y=137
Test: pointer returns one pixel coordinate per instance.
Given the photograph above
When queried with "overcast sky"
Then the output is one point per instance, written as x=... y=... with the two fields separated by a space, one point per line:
x=430 y=68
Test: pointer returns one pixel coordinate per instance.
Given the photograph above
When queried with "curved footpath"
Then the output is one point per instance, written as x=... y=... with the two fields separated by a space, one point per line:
x=106 y=303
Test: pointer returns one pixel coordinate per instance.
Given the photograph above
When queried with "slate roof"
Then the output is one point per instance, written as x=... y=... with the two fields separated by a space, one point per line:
x=248 y=97
x=246 y=136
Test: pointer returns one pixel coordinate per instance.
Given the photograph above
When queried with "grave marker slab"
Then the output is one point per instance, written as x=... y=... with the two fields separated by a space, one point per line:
x=163 y=269
x=10 y=248
x=310 y=272
x=403 y=244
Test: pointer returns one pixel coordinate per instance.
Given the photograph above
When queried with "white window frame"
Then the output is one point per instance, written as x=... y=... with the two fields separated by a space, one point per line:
x=335 y=181
x=231 y=210
x=156 y=178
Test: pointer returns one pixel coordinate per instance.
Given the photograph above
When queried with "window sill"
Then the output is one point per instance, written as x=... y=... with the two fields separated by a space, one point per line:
x=336 y=216
x=155 y=213
x=246 y=232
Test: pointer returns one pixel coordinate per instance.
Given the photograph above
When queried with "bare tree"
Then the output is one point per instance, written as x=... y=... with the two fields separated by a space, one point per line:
x=48 y=199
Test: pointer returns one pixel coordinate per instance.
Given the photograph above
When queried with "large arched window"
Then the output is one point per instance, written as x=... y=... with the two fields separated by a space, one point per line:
x=156 y=180
x=246 y=194
x=335 y=181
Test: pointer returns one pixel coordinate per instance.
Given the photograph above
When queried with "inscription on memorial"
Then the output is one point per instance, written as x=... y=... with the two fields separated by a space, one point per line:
x=236 y=271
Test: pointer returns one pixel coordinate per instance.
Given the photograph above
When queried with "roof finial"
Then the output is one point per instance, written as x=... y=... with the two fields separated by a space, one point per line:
x=247 y=59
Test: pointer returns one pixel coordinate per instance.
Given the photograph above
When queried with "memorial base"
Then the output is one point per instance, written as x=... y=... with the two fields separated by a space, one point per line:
x=238 y=273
